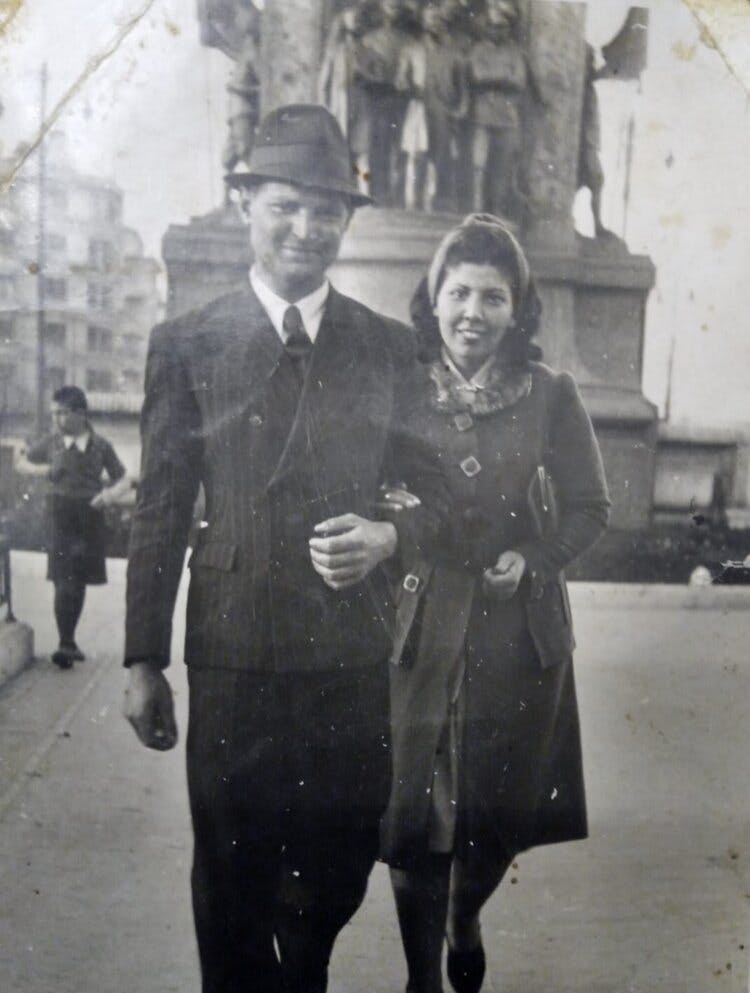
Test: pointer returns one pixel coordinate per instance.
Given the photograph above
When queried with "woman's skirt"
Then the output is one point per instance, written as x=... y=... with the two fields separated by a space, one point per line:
x=77 y=542
x=494 y=769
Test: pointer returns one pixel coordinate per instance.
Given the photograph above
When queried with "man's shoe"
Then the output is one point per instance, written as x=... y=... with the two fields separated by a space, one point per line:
x=466 y=969
x=63 y=657
x=75 y=652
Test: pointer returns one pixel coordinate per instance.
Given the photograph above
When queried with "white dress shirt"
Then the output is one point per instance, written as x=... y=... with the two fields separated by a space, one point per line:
x=310 y=307
x=81 y=441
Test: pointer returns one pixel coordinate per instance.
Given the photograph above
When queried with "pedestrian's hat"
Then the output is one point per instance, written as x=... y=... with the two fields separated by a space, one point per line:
x=300 y=144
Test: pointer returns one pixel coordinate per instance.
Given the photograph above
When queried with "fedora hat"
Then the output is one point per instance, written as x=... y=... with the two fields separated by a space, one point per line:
x=300 y=144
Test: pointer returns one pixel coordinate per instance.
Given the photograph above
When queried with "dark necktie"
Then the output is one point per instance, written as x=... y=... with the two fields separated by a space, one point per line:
x=297 y=341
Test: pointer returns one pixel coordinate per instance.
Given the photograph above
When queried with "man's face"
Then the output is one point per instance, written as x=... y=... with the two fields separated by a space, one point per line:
x=501 y=13
x=391 y=10
x=67 y=421
x=433 y=19
x=295 y=235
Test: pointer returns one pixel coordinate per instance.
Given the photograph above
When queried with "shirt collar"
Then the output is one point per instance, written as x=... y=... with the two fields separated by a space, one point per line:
x=81 y=441
x=310 y=307
x=480 y=379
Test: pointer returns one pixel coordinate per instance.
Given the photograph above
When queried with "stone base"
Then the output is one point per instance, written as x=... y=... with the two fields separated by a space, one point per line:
x=16 y=648
x=593 y=295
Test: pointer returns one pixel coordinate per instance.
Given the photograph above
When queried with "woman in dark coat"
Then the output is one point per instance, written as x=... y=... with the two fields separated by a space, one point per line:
x=486 y=742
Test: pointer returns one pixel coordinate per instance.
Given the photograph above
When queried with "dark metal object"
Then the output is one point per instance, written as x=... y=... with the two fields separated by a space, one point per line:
x=733 y=574
x=5 y=581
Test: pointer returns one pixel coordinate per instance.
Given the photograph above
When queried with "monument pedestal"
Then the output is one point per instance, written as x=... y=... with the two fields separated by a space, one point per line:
x=593 y=296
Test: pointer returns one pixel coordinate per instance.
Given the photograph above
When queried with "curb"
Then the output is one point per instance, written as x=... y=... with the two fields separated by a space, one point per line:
x=16 y=649
x=658 y=596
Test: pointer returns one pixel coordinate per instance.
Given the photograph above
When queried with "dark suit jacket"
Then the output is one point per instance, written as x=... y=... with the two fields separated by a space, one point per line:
x=214 y=383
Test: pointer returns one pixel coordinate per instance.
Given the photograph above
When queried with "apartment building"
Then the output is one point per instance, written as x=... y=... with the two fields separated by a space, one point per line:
x=100 y=293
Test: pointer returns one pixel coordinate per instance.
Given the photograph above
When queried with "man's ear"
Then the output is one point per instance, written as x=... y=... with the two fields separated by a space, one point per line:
x=350 y=208
x=244 y=199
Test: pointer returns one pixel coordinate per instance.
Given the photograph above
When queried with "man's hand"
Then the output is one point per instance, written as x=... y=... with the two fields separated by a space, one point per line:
x=502 y=580
x=346 y=549
x=111 y=494
x=149 y=708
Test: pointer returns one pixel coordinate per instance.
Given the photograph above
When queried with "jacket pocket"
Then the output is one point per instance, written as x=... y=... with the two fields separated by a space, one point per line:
x=550 y=625
x=220 y=555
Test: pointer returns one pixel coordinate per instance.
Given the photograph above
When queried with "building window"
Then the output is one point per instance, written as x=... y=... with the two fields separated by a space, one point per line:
x=99 y=379
x=54 y=334
x=55 y=288
x=57 y=242
x=55 y=377
x=99 y=339
x=131 y=344
x=7 y=331
x=101 y=254
x=99 y=296
x=112 y=214
x=131 y=380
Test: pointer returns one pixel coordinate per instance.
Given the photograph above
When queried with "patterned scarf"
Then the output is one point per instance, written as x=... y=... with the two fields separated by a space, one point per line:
x=452 y=395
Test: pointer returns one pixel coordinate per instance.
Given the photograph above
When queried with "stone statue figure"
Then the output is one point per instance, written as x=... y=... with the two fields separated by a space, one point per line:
x=499 y=79
x=346 y=69
x=387 y=104
x=234 y=27
x=624 y=59
x=433 y=74
x=590 y=172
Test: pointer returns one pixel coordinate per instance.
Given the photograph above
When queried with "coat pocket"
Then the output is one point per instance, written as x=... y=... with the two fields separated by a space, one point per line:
x=407 y=598
x=550 y=624
x=220 y=555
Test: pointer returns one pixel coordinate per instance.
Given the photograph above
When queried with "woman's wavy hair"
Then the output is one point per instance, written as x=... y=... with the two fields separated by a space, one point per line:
x=479 y=244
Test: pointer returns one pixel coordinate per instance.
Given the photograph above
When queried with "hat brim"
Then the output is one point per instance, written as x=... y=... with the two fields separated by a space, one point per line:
x=243 y=180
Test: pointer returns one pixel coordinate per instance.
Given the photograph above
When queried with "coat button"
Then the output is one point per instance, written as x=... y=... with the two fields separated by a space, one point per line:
x=255 y=420
x=470 y=466
x=463 y=421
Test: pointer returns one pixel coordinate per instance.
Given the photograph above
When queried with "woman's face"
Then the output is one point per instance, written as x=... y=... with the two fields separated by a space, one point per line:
x=474 y=308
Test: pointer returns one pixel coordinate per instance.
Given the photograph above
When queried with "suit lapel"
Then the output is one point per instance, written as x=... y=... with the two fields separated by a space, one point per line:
x=330 y=380
x=254 y=346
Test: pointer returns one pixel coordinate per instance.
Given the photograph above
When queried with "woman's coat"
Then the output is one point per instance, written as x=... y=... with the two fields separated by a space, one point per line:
x=520 y=770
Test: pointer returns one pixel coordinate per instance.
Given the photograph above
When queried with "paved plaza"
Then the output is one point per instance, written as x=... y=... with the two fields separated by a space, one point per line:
x=95 y=838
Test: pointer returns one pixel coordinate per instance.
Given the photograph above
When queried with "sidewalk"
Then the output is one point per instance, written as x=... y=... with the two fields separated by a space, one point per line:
x=95 y=837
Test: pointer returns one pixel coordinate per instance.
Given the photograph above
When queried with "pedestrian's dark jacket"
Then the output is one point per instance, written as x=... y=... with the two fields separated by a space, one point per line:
x=220 y=412
x=72 y=473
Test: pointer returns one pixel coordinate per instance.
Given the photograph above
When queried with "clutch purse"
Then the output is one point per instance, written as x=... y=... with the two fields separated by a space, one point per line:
x=542 y=503
x=548 y=607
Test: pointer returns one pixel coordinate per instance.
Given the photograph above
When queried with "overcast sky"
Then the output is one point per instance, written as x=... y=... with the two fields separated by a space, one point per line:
x=151 y=116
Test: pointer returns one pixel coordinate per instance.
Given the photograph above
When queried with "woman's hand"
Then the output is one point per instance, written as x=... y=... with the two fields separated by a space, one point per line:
x=503 y=579
x=396 y=498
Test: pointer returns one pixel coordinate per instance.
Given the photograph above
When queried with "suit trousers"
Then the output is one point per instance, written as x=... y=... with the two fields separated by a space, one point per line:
x=288 y=776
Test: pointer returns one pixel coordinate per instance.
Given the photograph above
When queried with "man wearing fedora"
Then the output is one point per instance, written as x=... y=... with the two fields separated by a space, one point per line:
x=290 y=403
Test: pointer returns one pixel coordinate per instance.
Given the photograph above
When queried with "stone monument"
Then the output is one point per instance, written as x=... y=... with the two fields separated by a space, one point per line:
x=542 y=74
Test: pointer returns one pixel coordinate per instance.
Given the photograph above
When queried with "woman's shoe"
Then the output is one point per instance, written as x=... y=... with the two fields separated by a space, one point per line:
x=466 y=969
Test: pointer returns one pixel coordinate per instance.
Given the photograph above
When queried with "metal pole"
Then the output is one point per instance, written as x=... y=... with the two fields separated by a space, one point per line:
x=41 y=418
